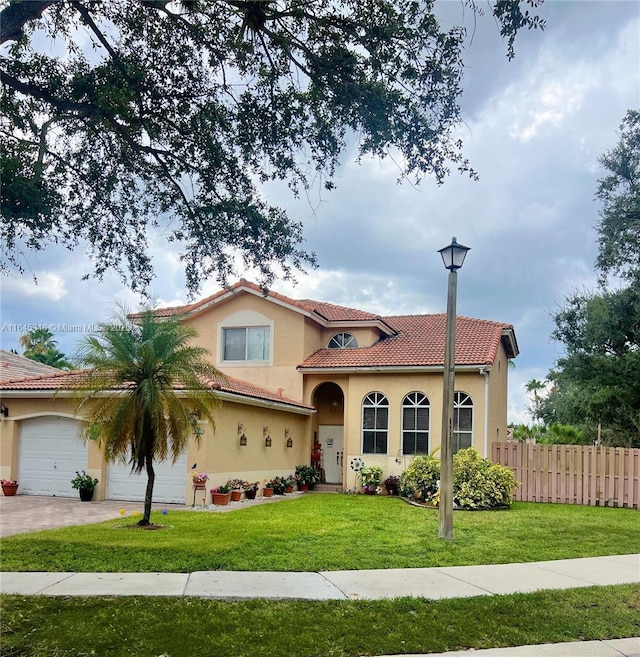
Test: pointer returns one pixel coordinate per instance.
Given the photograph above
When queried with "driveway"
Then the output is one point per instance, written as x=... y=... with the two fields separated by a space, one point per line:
x=31 y=513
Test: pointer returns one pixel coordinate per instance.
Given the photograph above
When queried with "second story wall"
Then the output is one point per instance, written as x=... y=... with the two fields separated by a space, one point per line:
x=256 y=340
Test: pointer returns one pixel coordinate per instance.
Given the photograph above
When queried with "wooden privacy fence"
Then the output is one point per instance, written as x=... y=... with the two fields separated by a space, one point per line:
x=573 y=474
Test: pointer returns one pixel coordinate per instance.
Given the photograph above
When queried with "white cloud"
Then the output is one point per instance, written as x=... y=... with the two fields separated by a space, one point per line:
x=50 y=285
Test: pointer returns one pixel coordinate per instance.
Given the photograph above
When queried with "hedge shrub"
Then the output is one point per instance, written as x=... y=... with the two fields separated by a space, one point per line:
x=477 y=482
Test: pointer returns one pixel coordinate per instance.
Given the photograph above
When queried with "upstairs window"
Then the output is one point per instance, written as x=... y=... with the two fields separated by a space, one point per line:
x=249 y=343
x=375 y=423
x=462 y=421
x=415 y=424
x=343 y=341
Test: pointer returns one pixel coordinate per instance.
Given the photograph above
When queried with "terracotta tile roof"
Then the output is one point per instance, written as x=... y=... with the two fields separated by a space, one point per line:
x=419 y=341
x=73 y=381
x=13 y=366
x=327 y=311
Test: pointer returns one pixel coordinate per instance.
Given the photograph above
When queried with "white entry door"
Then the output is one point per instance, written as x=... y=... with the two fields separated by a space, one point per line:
x=331 y=439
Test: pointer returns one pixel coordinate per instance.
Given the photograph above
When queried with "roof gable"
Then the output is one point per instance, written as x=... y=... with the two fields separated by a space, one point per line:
x=419 y=341
x=14 y=366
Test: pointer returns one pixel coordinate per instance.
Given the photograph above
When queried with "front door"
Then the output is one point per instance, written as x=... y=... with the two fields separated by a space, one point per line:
x=331 y=439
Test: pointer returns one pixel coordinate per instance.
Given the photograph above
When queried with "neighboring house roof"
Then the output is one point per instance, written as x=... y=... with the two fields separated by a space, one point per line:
x=419 y=341
x=324 y=313
x=13 y=366
x=73 y=380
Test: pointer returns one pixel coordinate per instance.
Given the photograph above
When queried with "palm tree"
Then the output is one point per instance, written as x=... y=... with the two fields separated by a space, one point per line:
x=534 y=386
x=38 y=341
x=159 y=383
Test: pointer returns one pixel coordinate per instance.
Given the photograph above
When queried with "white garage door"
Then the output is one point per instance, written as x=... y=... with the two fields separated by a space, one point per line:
x=50 y=453
x=169 y=485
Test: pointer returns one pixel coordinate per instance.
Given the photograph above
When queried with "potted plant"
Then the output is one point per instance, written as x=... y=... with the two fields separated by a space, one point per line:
x=9 y=487
x=84 y=484
x=306 y=476
x=251 y=489
x=237 y=487
x=391 y=483
x=221 y=494
x=289 y=482
x=370 y=477
x=199 y=479
x=267 y=491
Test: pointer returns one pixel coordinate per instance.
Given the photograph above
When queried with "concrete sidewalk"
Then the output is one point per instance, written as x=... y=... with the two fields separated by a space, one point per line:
x=431 y=583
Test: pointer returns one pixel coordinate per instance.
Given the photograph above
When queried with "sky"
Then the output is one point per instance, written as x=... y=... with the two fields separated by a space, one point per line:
x=533 y=129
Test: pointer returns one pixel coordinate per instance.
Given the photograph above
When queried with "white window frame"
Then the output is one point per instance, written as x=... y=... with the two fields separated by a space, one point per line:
x=375 y=400
x=343 y=340
x=266 y=344
x=461 y=400
x=247 y=320
x=415 y=400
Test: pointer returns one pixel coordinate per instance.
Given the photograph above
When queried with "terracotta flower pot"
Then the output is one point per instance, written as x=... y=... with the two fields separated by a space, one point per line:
x=267 y=492
x=221 y=499
x=236 y=495
x=10 y=489
x=303 y=487
x=288 y=489
x=250 y=494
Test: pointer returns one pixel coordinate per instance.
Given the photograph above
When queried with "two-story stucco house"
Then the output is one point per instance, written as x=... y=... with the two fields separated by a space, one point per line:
x=300 y=373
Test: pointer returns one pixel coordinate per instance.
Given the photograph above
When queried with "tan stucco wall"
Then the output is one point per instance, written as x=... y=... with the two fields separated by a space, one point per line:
x=395 y=386
x=364 y=336
x=219 y=454
x=24 y=409
x=291 y=337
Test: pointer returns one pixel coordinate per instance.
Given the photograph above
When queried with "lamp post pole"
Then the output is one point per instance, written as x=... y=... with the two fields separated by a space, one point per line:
x=453 y=256
x=446 y=449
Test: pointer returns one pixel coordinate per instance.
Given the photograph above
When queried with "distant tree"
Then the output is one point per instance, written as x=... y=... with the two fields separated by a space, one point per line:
x=39 y=345
x=598 y=378
x=535 y=386
x=619 y=191
x=158 y=378
x=139 y=114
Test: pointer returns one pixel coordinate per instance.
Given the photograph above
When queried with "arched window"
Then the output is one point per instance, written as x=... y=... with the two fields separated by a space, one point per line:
x=375 y=423
x=343 y=341
x=462 y=421
x=415 y=424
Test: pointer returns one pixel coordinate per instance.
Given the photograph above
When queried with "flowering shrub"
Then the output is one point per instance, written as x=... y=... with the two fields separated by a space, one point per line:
x=199 y=476
x=477 y=482
x=8 y=482
x=251 y=485
x=237 y=484
x=370 y=478
x=421 y=480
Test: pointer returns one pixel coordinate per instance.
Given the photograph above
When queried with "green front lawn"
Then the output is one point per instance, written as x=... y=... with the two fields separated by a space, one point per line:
x=181 y=627
x=327 y=532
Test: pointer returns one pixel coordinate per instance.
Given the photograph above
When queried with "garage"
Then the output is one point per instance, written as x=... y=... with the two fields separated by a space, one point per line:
x=169 y=486
x=50 y=453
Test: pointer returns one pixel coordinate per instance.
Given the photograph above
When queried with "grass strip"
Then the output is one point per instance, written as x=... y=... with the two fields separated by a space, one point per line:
x=327 y=532
x=176 y=627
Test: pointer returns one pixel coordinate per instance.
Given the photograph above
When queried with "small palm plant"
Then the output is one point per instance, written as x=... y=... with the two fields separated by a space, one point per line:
x=156 y=382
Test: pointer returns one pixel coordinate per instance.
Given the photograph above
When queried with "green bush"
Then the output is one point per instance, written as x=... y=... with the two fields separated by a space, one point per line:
x=477 y=482
x=421 y=480
x=370 y=478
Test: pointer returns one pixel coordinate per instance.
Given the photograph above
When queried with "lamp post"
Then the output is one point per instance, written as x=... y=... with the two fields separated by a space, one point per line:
x=453 y=256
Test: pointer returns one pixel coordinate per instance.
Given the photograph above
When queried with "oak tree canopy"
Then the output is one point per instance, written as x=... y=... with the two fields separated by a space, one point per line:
x=126 y=116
